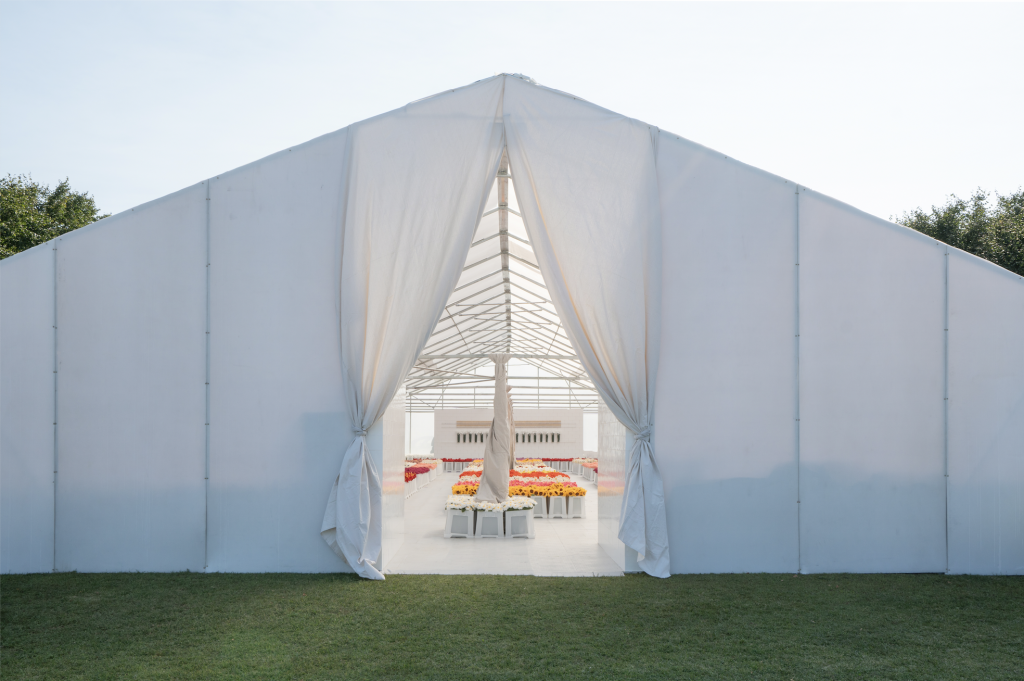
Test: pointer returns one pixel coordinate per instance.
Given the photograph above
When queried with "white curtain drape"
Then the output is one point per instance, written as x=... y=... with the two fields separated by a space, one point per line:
x=587 y=185
x=415 y=185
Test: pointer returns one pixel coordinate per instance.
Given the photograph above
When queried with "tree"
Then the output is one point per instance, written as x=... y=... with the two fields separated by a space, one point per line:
x=995 y=233
x=32 y=213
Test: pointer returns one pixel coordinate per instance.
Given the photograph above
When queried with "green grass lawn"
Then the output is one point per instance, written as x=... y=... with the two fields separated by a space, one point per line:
x=194 y=626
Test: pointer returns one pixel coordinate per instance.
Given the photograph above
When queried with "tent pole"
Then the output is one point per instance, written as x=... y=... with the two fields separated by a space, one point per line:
x=796 y=275
x=206 y=476
x=945 y=391
x=56 y=283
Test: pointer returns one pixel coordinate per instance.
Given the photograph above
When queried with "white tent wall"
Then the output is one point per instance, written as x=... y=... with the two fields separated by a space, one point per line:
x=725 y=413
x=278 y=423
x=26 y=411
x=986 y=417
x=800 y=418
x=131 y=400
x=872 y=314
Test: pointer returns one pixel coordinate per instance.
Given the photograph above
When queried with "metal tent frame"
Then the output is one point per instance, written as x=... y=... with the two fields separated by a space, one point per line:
x=500 y=304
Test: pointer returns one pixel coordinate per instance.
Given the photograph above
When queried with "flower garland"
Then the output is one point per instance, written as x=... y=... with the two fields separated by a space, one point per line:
x=459 y=502
x=555 y=489
x=526 y=480
x=409 y=477
x=520 y=473
x=463 y=503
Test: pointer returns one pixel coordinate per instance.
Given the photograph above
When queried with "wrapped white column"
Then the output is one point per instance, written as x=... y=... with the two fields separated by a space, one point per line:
x=500 y=447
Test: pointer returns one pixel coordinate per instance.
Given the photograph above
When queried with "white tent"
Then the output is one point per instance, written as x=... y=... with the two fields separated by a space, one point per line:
x=828 y=391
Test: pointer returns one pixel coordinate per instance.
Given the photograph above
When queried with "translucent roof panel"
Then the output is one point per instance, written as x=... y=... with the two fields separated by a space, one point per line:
x=500 y=304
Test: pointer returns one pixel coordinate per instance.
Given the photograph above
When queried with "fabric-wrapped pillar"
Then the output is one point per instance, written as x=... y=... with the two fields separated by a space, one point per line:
x=587 y=184
x=416 y=181
x=500 y=448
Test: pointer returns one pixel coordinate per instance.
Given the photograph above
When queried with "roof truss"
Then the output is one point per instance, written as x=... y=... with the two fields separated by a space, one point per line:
x=500 y=304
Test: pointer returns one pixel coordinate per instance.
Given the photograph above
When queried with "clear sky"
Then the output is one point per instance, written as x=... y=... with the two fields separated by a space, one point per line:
x=886 y=107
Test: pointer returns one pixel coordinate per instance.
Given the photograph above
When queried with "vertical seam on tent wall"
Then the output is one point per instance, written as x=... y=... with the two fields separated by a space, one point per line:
x=796 y=274
x=206 y=473
x=945 y=393
x=54 y=405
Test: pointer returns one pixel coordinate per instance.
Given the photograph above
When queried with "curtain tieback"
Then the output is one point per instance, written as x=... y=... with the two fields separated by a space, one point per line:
x=645 y=434
x=359 y=432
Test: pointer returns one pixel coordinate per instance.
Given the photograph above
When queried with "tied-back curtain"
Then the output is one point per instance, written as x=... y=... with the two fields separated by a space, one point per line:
x=586 y=181
x=416 y=181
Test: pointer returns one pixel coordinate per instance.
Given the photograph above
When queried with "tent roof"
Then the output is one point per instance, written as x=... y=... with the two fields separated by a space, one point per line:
x=500 y=304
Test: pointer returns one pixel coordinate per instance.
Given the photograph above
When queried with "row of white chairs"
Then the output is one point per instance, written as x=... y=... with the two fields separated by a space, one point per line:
x=512 y=523
x=495 y=524
x=560 y=507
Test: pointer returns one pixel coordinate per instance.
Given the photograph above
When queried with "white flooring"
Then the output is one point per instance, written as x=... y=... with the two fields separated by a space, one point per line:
x=563 y=547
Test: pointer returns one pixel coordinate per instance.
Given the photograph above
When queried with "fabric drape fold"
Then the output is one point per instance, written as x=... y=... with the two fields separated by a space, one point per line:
x=416 y=181
x=587 y=186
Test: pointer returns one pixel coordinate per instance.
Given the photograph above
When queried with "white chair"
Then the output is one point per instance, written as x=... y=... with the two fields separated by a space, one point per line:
x=519 y=524
x=540 y=510
x=577 y=507
x=556 y=508
x=458 y=524
x=490 y=524
x=449 y=466
x=422 y=480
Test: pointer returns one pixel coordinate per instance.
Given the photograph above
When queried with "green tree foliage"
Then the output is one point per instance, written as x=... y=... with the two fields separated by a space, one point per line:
x=32 y=213
x=993 y=232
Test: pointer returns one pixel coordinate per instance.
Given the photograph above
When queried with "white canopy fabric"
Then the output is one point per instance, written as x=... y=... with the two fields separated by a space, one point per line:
x=499 y=450
x=414 y=190
x=588 y=190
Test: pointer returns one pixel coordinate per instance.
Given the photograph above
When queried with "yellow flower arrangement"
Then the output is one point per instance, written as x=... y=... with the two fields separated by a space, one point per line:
x=554 y=490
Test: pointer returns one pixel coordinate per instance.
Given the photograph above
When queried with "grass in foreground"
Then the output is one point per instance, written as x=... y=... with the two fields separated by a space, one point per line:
x=194 y=626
